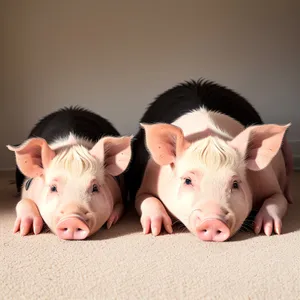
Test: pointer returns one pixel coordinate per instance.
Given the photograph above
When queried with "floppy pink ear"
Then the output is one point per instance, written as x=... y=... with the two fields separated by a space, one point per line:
x=116 y=153
x=259 y=144
x=33 y=156
x=165 y=142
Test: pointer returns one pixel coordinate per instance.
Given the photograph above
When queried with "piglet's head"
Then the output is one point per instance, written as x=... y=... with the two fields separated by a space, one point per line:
x=75 y=198
x=211 y=194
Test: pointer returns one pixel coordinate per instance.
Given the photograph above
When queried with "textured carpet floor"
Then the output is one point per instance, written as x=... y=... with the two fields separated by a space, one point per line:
x=122 y=263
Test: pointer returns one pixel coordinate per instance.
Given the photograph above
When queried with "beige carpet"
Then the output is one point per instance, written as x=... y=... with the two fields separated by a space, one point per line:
x=122 y=263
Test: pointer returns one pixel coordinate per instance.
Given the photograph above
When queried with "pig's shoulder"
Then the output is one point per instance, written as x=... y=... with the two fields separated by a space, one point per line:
x=266 y=182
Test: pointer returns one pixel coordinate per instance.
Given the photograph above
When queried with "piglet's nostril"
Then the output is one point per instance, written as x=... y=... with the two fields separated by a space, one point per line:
x=225 y=211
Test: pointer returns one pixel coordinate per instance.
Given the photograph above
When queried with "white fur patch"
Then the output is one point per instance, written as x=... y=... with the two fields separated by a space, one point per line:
x=211 y=152
x=76 y=160
x=199 y=120
x=70 y=140
x=74 y=157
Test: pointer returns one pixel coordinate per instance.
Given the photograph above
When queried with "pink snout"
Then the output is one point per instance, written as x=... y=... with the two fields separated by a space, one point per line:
x=213 y=230
x=72 y=228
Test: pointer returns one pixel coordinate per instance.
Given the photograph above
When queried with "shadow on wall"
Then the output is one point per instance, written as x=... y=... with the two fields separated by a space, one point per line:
x=114 y=59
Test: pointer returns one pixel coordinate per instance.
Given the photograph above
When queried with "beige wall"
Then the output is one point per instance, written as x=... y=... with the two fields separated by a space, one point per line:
x=114 y=57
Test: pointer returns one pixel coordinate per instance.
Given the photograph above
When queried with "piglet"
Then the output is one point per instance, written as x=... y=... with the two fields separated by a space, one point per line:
x=73 y=174
x=211 y=161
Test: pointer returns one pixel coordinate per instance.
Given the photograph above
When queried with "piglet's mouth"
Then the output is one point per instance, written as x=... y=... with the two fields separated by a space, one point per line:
x=72 y=227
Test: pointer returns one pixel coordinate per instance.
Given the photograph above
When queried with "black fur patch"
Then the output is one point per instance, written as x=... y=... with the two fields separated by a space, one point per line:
x=28 y=183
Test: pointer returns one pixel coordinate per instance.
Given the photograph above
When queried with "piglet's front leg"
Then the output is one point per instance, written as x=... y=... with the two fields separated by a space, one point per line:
x=153 y=215
x=28 y=217
x=115 y=215
x=269 y=217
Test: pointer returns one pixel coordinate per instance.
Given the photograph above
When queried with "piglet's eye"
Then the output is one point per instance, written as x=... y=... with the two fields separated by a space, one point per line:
x=235 y=185
x=187 y=181
x=53 y=189
x=95 y=188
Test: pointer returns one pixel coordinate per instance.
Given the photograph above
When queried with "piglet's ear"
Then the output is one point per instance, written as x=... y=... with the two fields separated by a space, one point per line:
x=116 y=153
x=259 y=144
x=165 y=142
x=33 y=156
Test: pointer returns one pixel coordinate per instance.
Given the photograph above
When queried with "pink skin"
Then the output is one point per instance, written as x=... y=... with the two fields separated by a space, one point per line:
x=213 y=201
x=73 y=205
x=212 y=230
x=72 y=228
x=28 y=217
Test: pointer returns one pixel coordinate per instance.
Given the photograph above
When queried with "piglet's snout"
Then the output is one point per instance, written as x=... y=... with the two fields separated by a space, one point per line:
x=213 y=230
x=72 y=228
x=211 y=223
